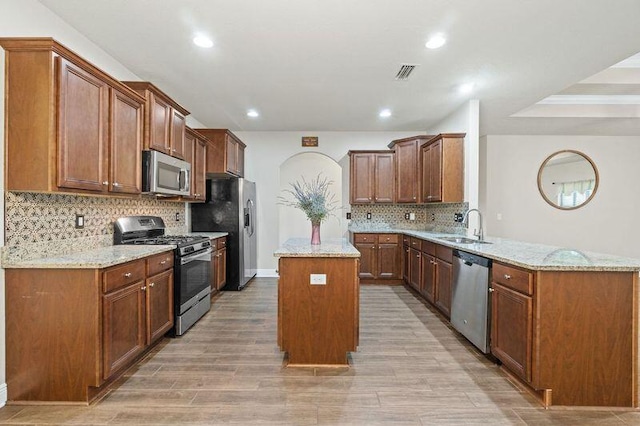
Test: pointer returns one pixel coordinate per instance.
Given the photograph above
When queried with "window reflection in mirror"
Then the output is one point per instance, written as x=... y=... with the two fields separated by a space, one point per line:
x=568 y=179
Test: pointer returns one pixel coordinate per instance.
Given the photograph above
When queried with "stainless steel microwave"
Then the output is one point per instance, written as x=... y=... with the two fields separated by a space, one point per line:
x=164 y=175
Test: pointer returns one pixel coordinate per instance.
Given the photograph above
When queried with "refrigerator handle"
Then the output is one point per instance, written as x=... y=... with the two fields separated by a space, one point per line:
x=249 y=219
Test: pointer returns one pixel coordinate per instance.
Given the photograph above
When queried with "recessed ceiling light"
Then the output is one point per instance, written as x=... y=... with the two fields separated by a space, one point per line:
x=202 y=41
x=253 y=113
x=385 y=113
x=436 y=41
x=466 y=88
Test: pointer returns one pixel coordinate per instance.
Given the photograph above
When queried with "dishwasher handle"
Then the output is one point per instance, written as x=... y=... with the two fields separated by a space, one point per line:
x=470 y=259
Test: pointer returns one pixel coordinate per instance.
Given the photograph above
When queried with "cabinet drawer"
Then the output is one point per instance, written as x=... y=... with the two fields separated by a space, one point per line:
x=159 y=262
x=221 y=243
x=416 y=243
x=406 y=240
x=514 y=278
x=365 y=238
x=120 y=276
x=388 y=238
x=444 y=253
x=429 y=247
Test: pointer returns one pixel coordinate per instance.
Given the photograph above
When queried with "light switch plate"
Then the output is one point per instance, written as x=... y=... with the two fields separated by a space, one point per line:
x=318 y=279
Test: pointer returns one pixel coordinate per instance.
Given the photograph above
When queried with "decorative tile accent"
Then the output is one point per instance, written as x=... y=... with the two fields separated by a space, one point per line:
x=38 y=225
x=429 y=217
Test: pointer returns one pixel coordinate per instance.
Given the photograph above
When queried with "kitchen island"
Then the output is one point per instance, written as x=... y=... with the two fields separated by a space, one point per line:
x=318 y=301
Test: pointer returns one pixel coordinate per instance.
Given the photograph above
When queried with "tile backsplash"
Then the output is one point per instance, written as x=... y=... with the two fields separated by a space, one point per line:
x=44 y=224
x=429 y=217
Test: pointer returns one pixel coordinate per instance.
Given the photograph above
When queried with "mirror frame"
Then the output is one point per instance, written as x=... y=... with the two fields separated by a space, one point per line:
x=583 y=155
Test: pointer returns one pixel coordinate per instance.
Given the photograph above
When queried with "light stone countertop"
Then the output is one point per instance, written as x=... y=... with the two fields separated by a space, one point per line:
x=332 y=247
x=97 y=258
x=537 y=257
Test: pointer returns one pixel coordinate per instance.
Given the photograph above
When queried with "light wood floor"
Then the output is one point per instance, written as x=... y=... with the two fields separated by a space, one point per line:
x=410 y=369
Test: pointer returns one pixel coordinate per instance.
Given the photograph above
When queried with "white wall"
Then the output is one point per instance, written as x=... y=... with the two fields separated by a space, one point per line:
x=607 y=224
x=466 y=119
x=266 y=151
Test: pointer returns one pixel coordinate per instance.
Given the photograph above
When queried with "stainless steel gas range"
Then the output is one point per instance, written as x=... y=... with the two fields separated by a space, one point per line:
x=192 y=265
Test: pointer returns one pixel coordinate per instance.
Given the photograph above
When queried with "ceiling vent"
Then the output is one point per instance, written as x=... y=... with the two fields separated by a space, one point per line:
x=405 y=71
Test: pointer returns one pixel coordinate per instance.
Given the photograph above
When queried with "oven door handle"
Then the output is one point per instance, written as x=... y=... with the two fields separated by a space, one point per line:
x=201 y=255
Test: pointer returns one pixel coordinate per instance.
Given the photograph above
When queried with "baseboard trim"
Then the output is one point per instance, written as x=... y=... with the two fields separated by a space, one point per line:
x=263 y=273
x=3 y=394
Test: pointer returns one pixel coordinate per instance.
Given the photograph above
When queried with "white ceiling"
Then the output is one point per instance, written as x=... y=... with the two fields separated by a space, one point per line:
x=330 y=64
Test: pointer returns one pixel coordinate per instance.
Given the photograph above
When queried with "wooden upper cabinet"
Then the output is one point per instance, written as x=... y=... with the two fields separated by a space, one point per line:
x=125 y=142
x=196 y=154
x=372 y=177
x=407 y=152
x=82 y=127
x=165 y=120
x=225 y=152
x=70 y=126
x=442 y=166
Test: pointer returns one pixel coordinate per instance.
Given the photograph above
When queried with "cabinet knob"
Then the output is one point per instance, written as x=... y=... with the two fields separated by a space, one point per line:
x=128 y=274
x=163 y=262
x=414 y=198
x=491 y=290
x=116 y=184
x=105 y=182
x=143 y=288
x=173 y=149
x=152 y=284
x=507 y=277
x=417 y=255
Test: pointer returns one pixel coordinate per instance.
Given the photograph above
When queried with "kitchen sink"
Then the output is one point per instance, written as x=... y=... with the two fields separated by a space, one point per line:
x=463 y=240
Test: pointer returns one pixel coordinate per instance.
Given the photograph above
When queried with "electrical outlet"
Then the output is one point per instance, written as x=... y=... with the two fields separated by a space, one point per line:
x=412 y=216
x=368 y=215
x=318 y=279
x=178 y=217
x=348 y=215
x=79 y=221
x=433 y=217
x=406 y=216
x=457 y=217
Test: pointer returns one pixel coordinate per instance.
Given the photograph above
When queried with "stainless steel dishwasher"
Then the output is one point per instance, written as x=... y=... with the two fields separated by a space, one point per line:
x=470 y=298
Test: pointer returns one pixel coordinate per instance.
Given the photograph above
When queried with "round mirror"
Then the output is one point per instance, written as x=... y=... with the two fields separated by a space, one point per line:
x=568 y=179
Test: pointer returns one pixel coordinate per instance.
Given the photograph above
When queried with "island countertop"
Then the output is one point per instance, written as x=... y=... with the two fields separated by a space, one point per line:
x=538 y=257
x=332 y=247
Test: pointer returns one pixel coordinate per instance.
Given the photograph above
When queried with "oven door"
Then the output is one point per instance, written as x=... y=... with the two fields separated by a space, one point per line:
x=193 y=279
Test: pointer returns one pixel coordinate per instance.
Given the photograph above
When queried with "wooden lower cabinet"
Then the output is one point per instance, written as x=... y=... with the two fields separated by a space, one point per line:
x=71 y=332
x=380 y=257
x=415 y=269
x=444 y=283
x=221 y=268
x=428 y=284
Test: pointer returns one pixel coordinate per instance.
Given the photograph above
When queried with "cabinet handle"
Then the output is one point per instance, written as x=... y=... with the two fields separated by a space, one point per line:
x=128 y=274
x=116 y=184
x=163 y=262
x=152 y=284
x=105 y=182
x=417 y=256
x=173 y=149
x=491 y=290
x=507 y=277
x=143 y=288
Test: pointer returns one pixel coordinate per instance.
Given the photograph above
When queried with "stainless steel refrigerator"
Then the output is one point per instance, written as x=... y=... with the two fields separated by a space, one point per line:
x=231 y=207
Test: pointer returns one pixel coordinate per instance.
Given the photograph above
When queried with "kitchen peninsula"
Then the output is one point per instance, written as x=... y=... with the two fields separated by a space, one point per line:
x=318 y=301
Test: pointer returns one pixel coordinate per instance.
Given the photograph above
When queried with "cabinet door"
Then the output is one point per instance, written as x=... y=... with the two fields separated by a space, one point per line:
x=415 y=262
x=189 y=156
x=368 y=257
x=159 y=305
x=221 y=268
x=511 y=329
x=232 y=155
x=385 y=178
x=125 y=143
x=407 y=172
x=388 y=261
x=160 y=124
x=428 y=277
x=214 y=272
x=443 y=286
x=123 y=327
x=435 y=172
x=406 y=264
x=82 y=129
x=361 y=179
x=199 y=170
x=178 y=127
x=240 y=160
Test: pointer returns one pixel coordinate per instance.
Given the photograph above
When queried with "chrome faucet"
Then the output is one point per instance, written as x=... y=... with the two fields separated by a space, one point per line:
x=465 y=221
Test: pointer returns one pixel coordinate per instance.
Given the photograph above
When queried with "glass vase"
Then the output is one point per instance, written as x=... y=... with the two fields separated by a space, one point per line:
x=315 y=233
